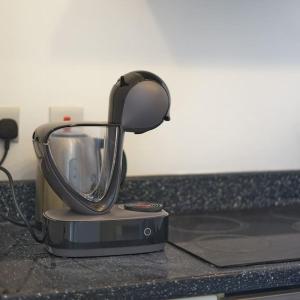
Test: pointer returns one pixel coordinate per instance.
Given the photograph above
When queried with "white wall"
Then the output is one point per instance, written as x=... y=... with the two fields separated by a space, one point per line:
x=233 y=69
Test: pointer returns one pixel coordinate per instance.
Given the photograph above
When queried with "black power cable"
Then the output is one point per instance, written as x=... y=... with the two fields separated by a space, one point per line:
x=11 y=220
x=26 y=223
x=4 y=216
x=8 y=132
x=6 y=148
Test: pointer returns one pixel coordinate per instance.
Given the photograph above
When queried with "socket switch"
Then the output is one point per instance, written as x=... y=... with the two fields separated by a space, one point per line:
x=60 y=114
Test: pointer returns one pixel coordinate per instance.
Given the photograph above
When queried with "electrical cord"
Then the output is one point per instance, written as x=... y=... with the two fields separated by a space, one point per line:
x=6 y=217
x=6 y=148
x=26 y=223
x=11 y=220
x=8 y=132
x=11 y=184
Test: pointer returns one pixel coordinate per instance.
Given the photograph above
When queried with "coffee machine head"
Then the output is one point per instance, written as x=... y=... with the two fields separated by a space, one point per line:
x=139 y=101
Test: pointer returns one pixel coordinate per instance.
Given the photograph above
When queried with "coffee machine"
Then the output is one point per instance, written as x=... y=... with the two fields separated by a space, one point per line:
x=80 y=169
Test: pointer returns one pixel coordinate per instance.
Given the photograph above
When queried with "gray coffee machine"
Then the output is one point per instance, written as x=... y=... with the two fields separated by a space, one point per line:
x=79 y=175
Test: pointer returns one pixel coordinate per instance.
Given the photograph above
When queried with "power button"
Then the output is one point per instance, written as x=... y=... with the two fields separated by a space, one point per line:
x=147 y=231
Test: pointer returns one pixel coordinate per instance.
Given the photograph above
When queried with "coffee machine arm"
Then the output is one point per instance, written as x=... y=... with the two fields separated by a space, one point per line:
x=139 y=102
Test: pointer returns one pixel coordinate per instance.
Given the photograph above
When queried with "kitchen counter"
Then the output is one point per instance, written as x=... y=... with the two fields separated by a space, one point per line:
x=27 y=271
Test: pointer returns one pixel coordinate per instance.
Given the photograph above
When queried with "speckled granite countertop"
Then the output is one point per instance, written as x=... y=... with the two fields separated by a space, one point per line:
x=27 y=271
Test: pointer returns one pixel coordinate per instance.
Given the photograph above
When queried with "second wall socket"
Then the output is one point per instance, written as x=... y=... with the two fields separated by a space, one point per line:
x=10 y=112
x=59 y=114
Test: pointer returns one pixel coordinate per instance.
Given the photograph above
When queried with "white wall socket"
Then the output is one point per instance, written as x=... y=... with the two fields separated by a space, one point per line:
x=7 y=112
x=58 y=114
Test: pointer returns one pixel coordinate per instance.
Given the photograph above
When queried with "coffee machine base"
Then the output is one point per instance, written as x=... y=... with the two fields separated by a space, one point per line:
x=119 y=232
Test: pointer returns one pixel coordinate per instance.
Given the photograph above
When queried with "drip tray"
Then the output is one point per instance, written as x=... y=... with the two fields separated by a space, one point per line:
x=239 y=238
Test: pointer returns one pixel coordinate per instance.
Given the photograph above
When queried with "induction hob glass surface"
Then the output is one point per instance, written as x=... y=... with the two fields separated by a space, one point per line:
x=239 y=238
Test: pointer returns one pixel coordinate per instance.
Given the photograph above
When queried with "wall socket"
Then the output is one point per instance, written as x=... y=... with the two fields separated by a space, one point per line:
x=7 y=112
x=57 y=114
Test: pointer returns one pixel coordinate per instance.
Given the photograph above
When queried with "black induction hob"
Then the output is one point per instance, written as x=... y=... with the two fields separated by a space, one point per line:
x=239 y=238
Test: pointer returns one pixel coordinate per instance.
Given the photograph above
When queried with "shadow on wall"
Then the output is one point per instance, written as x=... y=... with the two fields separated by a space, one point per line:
x=182 y=31
x=108 y=31
x=233 y=31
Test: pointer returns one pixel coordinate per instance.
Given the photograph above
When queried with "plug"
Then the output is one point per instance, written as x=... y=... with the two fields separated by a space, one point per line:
x=8 y=132
x=8 y=129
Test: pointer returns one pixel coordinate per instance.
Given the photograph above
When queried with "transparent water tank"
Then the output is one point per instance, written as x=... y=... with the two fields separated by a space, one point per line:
x=85 y=157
